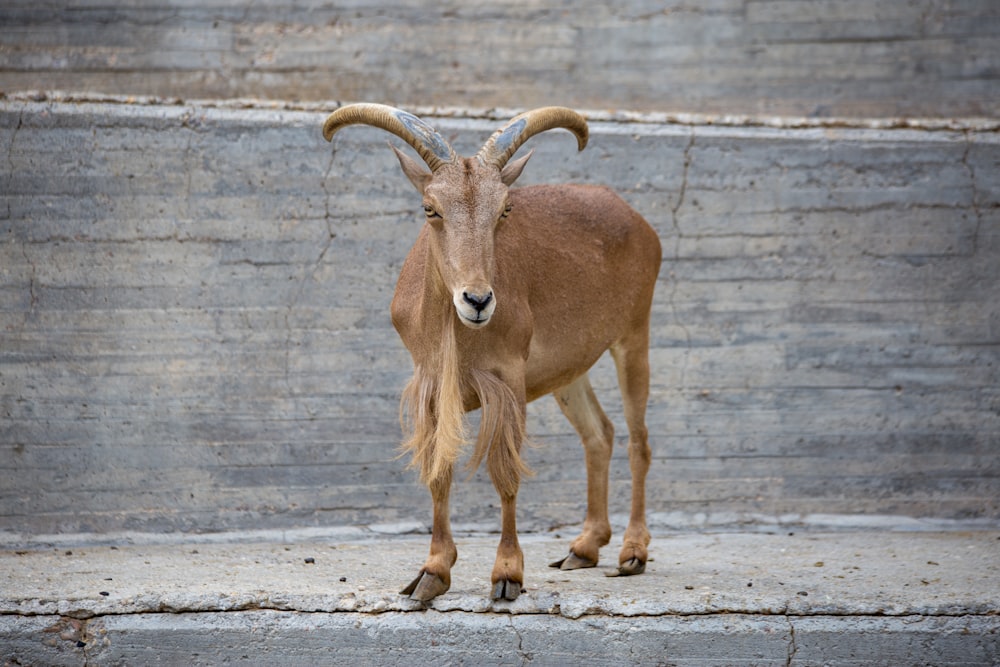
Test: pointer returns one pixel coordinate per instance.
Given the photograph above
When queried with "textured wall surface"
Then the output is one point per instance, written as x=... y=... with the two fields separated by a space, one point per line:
x=194 y=328
x=788 y=57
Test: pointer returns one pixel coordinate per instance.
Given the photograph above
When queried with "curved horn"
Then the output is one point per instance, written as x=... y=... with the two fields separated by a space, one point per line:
x=431 y=146
x=504 y=143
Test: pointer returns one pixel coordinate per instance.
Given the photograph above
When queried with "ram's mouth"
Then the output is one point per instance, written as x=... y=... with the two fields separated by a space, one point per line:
x=474 y=323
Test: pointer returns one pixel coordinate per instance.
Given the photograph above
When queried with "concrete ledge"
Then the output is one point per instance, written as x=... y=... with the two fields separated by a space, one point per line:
x=461 y=638
x=846 y=598
x=811 y=57
x=502 y=114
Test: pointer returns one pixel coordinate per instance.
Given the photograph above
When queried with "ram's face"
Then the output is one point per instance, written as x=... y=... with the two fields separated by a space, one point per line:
x=464 y=205
x=465 y=200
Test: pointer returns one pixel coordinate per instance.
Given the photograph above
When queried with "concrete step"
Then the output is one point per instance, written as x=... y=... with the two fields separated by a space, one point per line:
x=848 y=597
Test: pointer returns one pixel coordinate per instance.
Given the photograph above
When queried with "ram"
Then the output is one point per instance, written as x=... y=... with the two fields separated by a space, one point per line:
x=507 y=295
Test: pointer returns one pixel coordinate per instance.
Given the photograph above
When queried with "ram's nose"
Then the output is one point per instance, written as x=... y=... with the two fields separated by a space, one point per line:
x=479 y=301
x=475 y=306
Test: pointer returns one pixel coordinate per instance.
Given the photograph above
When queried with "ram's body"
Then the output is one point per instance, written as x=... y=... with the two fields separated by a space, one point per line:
x=572 y=277
x=508 y=295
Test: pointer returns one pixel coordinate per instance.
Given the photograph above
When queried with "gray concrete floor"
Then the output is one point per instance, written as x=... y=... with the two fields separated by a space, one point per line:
x=779 y=597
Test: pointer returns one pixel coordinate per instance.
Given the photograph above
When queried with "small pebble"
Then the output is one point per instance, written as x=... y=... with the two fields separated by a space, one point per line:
x=343 y=579
x=105 y=593
x=310 y=561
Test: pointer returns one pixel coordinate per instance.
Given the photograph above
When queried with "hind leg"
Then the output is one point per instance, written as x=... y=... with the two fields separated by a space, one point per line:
x=579 y=404
x=631 y=357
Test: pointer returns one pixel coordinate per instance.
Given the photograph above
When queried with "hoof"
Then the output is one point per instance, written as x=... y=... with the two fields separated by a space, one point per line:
x=628 y=568
x=506 y=590
x=573 y=562
x=425 y=587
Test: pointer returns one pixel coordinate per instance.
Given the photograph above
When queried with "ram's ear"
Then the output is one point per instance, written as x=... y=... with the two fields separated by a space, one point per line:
x=419 y=176
x=513 y=169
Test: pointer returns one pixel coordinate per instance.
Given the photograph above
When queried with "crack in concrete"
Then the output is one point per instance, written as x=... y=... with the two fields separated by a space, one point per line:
x=678 y=236
x=33 y=268
x=792 y=646
x=525 y=656
x=975 y=190
x=327 y=216
x=10 y=160
x=32 y=278
x=188 y=122
x=310 y=274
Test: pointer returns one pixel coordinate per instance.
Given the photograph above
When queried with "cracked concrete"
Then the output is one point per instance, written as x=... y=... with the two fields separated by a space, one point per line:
x=674 y=279
x=11 y=167
x=788 y=598
x=792 y=647
x=309 y=271
x=974 y=203
x=32 y=276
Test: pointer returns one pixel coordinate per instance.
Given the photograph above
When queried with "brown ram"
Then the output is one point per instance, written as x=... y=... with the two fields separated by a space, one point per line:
x=508 y=295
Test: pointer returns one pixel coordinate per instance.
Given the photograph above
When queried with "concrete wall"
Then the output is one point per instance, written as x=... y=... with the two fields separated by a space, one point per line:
x=803 y=58
x=194 y=328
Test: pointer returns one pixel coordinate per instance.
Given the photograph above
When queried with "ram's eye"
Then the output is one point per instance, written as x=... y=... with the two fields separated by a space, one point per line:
x=431 y=213
x=506 y=210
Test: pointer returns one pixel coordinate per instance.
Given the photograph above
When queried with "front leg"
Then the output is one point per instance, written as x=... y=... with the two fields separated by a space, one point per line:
x=502 y=433
x=508 y=570
x=435 y=576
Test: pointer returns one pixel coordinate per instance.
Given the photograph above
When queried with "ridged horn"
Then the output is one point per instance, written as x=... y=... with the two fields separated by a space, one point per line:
x=431 y=146
x=504 y=143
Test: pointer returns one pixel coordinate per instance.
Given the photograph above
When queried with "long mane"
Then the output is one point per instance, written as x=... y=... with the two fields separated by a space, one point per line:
x=432 y=413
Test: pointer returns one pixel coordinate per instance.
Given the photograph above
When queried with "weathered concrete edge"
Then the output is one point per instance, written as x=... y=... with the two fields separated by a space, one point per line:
x=571 y=606
x=107 y=112
x=968 y=124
